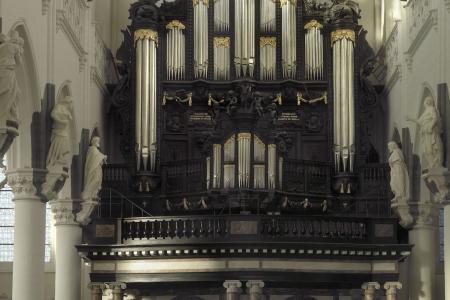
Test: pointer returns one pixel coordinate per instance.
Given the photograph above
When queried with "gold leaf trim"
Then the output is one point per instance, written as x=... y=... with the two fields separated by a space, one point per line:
x=313 y=24
x=205 y=2
x=221 y=42
x=175 y=24
x=142 y=34
x=267 y=41
x=284 y=2
x=301 y=100
x=343 y=34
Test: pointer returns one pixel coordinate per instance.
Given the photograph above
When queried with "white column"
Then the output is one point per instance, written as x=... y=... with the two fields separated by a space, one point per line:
x=422 y=266
x=447 y=250
x=67 y=260
x=369 y=289
x=255 y=289
x=391 y=290
x=29 y=235
x=233 y=289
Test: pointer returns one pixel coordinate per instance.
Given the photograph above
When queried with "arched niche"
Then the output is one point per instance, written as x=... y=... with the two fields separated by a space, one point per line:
x=20 y=154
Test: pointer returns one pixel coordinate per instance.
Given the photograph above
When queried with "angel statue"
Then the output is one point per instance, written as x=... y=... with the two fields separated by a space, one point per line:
x=11 y=50
x=93 y=174
x=59 y=152
x=399 y=174
x=430 y=134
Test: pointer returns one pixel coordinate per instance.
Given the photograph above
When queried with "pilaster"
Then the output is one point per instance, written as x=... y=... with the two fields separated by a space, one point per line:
x=233 y=289
x=391 y=290
x=117 y=289
x=96 y=290
x=255 y=289
x=369 y=289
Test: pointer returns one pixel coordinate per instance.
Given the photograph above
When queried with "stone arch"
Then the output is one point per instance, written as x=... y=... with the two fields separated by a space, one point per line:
x=20 y=154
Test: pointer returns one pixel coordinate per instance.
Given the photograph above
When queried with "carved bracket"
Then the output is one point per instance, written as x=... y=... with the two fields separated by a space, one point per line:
x=438 y=182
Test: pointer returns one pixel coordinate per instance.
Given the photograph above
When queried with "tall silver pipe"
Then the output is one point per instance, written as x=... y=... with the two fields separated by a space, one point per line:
x=271 y=165
x=200 y=38
x=138 y=109
x=351 y=104
x=145 y=103
x=153 y=104
x=289 y=38
x=217 y=165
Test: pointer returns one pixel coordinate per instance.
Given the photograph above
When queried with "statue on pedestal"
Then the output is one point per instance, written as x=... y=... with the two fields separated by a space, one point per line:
x=399 y=174
x=11 y=50
x=93 y=170
x=59 y=154
x=430 y=134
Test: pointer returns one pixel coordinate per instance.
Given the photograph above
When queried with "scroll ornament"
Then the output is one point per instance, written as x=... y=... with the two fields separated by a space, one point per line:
x=187 y=100
x=343 y=34
x=313 y=24
x=301 y=100
x=175 y=24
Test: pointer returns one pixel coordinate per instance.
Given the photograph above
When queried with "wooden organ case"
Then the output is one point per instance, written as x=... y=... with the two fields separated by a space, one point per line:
x=245 y=121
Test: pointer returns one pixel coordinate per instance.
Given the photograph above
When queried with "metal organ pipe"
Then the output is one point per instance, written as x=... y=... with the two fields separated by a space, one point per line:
x=217 y=165
x=244 y=159
x=200 y=38
x=343 y=41
x=268 y=57
x=175 y=52
x=244 y=47
x=221 y=15
x=268 y=17
x=146 y=41
x=271 y=165
x=289 y=38
x=221 y=58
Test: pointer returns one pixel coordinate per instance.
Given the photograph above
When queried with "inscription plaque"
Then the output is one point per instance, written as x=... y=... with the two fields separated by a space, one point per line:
x=200 y=116
x=384 y=230
x=288 y=116
x=244 y=227
x=104 y=231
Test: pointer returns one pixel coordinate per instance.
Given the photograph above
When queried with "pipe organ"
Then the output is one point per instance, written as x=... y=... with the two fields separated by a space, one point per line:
x=244 y=39
x=212 y=122
x=313 y=50
x=343 y=42
x=146 y=42
x=200 y=38
x=289 y=38
x=175 y=54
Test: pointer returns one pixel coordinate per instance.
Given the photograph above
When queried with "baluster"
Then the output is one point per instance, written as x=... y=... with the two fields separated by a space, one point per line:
x=302 y=228
x=161 y=232
x=332 y=227
x=210 y=227
x=201 y=231
x=287 y=227
x=184 y=228
x=169 y=229
x=144 y=230
x=277 y=227
x=339 y=228
x=177 y=228
x=310 y=228
x=152 y=229
x=193 y=229
x=294 y=227
x=363 y=232
x=317 y=229
x=324 y=225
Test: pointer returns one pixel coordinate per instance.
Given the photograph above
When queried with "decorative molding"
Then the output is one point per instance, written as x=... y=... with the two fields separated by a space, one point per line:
x=392 y=288
x=25 y=183
x=70 y=18
x=393 y=79
x=101 y=58
x=233 y=286
x=425 y=214
x=430 y=22
x=45 y=6
x=62 y=210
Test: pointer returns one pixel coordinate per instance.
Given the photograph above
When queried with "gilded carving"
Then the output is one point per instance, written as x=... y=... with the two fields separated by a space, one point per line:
x=175 y=24
x=343 y=34
x=142 y=34
x=313 y=24
x=267 y=41
x=221 y=42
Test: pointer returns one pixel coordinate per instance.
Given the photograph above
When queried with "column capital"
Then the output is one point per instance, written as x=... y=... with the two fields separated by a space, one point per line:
x=116 y=287
x=391 y=287
x=425 y=214
x=96 y=286
x=62 y=210
x=26 y=183
x=255 y=286
x=370 y=287
x=233 y=286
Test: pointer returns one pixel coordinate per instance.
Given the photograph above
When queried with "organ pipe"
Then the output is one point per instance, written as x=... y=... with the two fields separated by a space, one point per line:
x=221 y=15
x=221 y=58
x=175 y=51
x=267 y=47
x=244 y=46
x=217 y=165
x=289 y=38
x=146 y=42
x=343 y=42
x=271 y=165
x=200 y=38
x=208 y=172
x=314 y=50
x=268 y=17
x=244 y=159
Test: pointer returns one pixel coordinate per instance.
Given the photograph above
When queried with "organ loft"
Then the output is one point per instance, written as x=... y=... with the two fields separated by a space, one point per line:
x=252 y=157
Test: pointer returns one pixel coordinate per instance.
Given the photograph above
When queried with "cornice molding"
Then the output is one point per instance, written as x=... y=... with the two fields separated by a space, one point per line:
x=26 y=183
x=96 y=78
x=393 y=79
x=430 y=23
x=63 y=213
x=63 y=23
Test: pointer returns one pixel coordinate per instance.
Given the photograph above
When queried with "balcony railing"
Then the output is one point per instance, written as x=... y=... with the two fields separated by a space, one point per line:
x=260 y=228
x=306 y=176
x=184 y=177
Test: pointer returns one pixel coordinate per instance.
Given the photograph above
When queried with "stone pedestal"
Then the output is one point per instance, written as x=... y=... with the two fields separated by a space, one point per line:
x=117 y=289
x=391 y=290
x=29 y=234
x=369 y=289
x=233 y=289
x=422 y=266
x=96 y=290
x=255 y=289
x=67 y=260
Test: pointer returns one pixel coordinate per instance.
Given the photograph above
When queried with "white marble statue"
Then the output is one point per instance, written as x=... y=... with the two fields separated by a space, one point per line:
x=430 y=133
x=93 y=170
x=399 y=174
x=59 y=154
x=11 y=49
